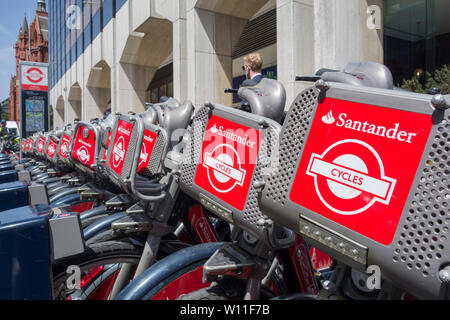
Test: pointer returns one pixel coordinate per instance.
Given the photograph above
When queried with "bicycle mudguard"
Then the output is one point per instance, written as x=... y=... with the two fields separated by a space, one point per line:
x=8 y=176
x=24 y=254
x=13 y=195
x=363 y=176
x=101 y=225
x=68 y=199
x=148 y=283
x=224 y=159
x=93 y=212
x=7 y=167
x=65 y=192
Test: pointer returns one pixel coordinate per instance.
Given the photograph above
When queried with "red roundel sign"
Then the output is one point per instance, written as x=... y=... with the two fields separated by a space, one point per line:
x=41 y=143
x=30 y=144
x=65 y=143
x=228 y=159
x=51 y=149
x=120 y=146
x=84 y=148
x=147 y=149
x=34 y=75
x=34 y=78
x=358 y=165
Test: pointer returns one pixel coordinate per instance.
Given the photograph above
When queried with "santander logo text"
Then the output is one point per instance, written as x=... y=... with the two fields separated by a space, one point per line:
x=394 y=133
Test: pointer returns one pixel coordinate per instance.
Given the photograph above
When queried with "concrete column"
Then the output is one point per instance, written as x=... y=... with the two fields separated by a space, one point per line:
x=132 y=82
x=342 y=33
x=58 y=113
x=73 y=105
x=180 y=62
x=73 y=111
x=96 y=102
x=295 y=43
x=209 y=45
x=314 y=34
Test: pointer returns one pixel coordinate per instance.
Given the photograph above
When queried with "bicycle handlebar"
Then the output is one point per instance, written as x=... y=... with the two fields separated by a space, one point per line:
x=307 y=78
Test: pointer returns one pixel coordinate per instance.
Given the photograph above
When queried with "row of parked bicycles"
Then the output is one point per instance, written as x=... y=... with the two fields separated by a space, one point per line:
x=344 y=196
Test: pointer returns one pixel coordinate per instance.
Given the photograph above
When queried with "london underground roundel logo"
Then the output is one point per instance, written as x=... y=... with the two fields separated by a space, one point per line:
x=40 y=145
x=228 y=159
x=34 y=75
x=64 y=148
x=51 y=149
x=83 y=155
x=224 y=168
x=349 y=177
x=118 y=152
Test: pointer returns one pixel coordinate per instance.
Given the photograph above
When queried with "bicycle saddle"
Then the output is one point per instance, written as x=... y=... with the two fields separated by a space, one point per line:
x=362 y=73
x=266 y=99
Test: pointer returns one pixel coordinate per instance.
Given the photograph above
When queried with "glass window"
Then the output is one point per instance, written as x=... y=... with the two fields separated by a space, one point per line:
x=416 y=37
x=108 y=11
x=119 y=4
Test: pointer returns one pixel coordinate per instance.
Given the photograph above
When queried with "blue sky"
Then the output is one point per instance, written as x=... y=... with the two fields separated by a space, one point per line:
x=11 y=18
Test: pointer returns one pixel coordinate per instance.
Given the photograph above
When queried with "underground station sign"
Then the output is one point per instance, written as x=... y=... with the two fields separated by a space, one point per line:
x=358 y=165
x=229 y=155
x=34 y=77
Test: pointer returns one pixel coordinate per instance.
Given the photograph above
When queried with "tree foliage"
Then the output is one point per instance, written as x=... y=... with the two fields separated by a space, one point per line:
x=440 y=79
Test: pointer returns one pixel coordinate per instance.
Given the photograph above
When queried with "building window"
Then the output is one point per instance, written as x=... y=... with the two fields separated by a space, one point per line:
x=416 y=37
x=162 y=84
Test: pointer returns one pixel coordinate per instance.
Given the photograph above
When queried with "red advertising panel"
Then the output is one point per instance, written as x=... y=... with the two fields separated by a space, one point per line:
x=51 y=149
x=41 y=144
x=147 y=149
x=228 y=159
x=34 y=77
x=120 y=146
x=358 y=165
x=84 y=146
x=30 y=144
x=64 y=146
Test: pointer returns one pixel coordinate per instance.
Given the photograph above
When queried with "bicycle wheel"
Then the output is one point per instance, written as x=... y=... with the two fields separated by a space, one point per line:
x=92 y=264
x=177 y=275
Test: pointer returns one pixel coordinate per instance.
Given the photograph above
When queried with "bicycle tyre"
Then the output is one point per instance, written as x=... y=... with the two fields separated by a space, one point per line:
x=95 y=255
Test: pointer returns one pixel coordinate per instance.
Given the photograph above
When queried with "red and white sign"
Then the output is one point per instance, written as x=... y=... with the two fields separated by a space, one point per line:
x=120 y=146
x=51 y=149
x=41 y=143
x=30 y=144
x=34 y=77
x=147 y=149
x=64 y=146
x=23 y=145
x=303 y=269
x=228 y=159
x=199 y=221
x=84 y=149
x=358 y=165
